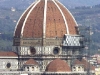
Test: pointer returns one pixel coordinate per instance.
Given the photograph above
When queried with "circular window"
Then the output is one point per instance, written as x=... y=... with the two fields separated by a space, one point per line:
x=32 y=50
x=56 y=50
x=8 y=65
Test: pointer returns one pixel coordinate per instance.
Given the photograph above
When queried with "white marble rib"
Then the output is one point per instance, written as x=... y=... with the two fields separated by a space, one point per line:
x=28 y=16
x=22 y=16
x=63 y=17
x=44 y=21
x=68 y=11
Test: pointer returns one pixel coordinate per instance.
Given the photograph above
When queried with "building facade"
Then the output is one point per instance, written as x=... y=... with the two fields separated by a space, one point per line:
x=47 y=41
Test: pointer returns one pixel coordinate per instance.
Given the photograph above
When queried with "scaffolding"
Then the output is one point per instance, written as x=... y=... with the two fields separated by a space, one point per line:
x=86 y=32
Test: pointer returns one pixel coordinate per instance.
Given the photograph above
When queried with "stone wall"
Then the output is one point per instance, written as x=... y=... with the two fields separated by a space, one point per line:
x=41 y=73
x=8 y=64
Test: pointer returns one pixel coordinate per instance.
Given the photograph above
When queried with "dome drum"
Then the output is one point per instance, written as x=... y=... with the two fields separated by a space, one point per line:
x=34 y=51
x=37 y=41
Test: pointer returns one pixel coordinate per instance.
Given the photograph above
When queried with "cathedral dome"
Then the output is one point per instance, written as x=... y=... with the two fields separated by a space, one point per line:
x=45 y=19
x=58 y=65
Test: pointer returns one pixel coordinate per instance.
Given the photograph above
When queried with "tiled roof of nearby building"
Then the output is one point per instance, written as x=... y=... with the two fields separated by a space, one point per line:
x=31 y=62
x=77 y=62
x=58 y=65
x=85 y=63
x=8 y=54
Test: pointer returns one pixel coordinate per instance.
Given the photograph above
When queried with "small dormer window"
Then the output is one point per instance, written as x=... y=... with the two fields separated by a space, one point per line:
x=32 y=68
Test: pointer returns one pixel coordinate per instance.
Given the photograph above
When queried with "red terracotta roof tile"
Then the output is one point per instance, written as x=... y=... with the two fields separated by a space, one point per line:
x=70 y=21
x=31 y=62
x=20 y=24
x=58 y=65
x=34 y=24
x=8 y=54
x=55 y=23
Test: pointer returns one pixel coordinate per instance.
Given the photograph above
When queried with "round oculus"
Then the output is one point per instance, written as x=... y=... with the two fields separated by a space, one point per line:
x=32 y=50
x=8 y=65
x=56 y=50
